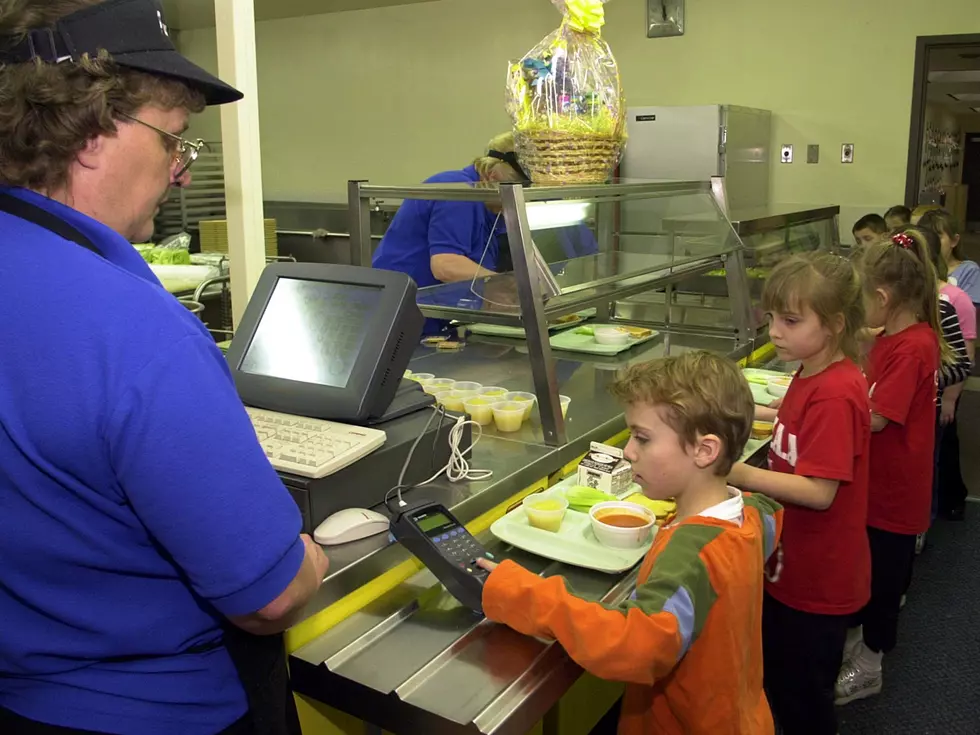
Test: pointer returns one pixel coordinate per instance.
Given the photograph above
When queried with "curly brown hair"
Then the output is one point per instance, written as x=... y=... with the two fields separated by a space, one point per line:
x=48 y=112
x=704 y=394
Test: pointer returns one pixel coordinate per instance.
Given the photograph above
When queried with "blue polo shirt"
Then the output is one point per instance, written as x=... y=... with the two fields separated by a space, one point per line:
x=423 y=228
x=137 y=509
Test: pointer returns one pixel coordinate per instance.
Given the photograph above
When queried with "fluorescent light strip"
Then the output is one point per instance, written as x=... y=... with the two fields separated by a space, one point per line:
x=549 y=215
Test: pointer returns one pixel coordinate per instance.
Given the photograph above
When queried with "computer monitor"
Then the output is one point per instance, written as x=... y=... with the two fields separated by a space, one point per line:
x=326 y=341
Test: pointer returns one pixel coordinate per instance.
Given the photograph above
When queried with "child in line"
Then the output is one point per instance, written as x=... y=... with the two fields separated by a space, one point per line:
x=818 y=469
x=688 y=642
x=951 y=499
x=965 y=274
x=869 y=229
x=898 y=216
x=902 y=297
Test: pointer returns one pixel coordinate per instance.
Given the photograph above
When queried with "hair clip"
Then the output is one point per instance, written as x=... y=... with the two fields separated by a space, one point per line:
x=903 y=240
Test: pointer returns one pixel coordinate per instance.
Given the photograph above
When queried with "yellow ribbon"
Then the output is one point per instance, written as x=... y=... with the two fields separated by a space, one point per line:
x=585 y=16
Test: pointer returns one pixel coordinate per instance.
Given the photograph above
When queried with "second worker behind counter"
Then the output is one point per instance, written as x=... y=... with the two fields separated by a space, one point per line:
x=449 y=241
x=444 y=242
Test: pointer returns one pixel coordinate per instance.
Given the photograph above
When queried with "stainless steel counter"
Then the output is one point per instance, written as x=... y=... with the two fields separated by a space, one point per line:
x=413 y=660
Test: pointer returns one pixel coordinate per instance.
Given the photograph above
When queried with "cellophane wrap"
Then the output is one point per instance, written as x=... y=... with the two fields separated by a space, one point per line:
x=566 y=101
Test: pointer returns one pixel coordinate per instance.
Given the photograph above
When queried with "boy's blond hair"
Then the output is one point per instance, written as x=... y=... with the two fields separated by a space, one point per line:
x=704 y=394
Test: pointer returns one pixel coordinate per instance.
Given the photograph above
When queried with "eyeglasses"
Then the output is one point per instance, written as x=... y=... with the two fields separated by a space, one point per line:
x=185 y=152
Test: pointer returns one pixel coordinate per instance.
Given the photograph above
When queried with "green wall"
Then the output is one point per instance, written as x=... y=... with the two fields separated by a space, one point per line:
x=396 y=94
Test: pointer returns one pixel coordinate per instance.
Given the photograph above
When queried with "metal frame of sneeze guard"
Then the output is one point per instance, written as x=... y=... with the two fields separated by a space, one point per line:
x=603 y=285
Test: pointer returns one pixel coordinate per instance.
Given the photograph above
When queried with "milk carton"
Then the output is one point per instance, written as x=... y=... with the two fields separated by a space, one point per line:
x=605 y=469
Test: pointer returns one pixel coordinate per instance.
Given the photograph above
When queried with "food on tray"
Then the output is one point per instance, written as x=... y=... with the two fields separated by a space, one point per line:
x=622 y=518
x=545 y=512
x=662 y=509
x=567 y=319
x=611 y=335
x=434 y=341
x=605 y=468
x=637 y=332
x=622 y=525
x=449 y=346
x=566 y=101
x=761 y=429
x=778 y=386
x=582 y=498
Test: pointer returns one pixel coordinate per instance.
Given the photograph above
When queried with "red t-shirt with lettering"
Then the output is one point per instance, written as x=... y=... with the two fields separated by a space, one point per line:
x=823 y=430
x=903 y=374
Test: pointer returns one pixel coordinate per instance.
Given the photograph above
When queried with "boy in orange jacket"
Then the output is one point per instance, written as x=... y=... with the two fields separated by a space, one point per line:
x=688 y=642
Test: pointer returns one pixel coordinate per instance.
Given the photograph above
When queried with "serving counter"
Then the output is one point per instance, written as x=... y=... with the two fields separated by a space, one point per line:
x=385 y=644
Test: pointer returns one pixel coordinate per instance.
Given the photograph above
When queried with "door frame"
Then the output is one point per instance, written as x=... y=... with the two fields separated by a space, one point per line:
x=920 y=79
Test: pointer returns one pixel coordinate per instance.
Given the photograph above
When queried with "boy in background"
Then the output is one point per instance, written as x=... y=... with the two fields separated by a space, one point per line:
x=868 y=230
x=898 y=216
x=688 y=641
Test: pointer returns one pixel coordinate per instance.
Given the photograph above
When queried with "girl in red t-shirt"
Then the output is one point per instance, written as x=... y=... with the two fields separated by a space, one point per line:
x=818 y=469
x=902 y=300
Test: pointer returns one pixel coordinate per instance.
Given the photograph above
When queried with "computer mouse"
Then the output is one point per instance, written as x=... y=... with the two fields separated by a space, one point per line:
x=350 y=524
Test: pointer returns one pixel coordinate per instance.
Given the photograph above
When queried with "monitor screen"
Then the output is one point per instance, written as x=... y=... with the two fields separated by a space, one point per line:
x=312 y=331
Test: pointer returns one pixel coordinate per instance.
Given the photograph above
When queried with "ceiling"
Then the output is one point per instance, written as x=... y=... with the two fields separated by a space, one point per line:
x=955 y=72
x=185 y=14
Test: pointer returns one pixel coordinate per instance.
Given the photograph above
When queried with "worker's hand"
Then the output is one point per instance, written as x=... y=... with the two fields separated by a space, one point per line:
x=486 y=564
x=315 y=554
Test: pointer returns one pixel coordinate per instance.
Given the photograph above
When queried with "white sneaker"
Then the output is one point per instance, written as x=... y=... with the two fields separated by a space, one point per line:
x=920 y=543
x=853 y=682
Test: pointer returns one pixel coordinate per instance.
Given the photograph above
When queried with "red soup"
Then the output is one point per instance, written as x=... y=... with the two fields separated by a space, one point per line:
x=622 y=519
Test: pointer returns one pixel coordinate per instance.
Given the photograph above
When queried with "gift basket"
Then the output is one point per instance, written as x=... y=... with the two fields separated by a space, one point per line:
x=566 y=101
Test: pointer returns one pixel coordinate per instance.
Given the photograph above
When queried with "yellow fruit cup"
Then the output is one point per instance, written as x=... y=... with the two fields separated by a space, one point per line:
x=437 y=385
x=525 y=399
x=508 y=416
x=480 y=409
x=545 y=511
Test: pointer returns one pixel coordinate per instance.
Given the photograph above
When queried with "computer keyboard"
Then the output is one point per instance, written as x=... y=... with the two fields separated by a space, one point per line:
x=311 y=447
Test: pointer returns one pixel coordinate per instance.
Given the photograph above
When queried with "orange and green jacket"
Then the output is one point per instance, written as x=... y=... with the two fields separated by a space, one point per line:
x=688 y=643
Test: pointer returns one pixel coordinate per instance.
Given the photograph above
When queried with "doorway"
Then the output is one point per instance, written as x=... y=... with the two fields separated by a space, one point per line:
x=971 y=178
x=945 y=111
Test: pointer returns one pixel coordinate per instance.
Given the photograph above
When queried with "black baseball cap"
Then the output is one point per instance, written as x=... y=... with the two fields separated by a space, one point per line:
x=135 y=35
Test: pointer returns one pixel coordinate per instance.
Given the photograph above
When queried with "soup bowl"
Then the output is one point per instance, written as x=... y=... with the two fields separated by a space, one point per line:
x=622 y=525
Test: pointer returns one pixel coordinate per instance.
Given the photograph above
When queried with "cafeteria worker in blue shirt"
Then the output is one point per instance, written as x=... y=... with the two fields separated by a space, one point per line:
x=150 y=557
x=445 y=242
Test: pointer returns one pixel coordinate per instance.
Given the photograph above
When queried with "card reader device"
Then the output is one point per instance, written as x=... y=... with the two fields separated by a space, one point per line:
x=438 y=540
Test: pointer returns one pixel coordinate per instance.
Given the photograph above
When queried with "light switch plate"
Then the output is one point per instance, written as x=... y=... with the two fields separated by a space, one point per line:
x=847 y=153
x=813 y=154
x=787 y=155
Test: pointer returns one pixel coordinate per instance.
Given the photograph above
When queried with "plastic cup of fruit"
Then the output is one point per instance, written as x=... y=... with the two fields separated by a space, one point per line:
x=525 y=399
x=508 y=416
x=609 y=524
x=564 y=400
x=437 y=385
x=545 y=511
x=468 y=385
x=762 y=429
x=456 y=399
x=442 y=396
x=421 y=377
x=480 y=409
x=493 y=391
